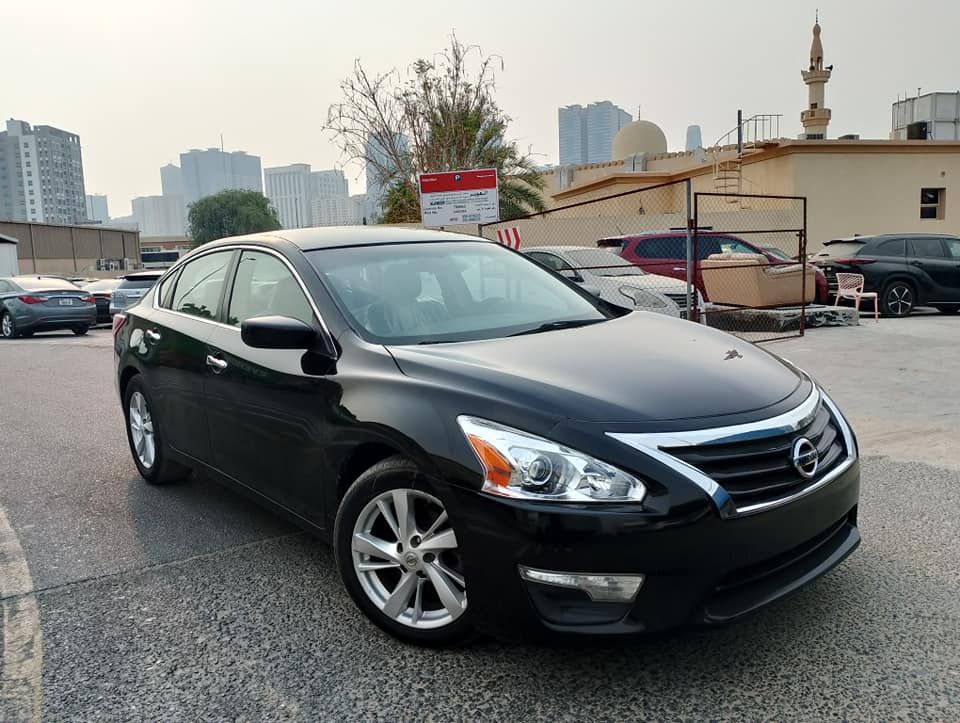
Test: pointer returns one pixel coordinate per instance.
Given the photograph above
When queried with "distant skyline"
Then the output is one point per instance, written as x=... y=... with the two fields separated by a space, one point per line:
x=164 y=79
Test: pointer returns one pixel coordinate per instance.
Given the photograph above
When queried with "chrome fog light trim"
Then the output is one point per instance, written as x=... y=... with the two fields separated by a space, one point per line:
x=599 y=587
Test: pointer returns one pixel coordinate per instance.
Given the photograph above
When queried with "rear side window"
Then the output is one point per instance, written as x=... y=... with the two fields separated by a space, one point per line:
x=200 y=285
x=926 y=248
x=664 y=247
x=953 y=247
x=893 y=247
x=5 y=287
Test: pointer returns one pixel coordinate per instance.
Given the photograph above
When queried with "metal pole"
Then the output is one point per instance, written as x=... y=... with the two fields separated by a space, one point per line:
x=739 y=133
x=690 y=300
x=803 y=269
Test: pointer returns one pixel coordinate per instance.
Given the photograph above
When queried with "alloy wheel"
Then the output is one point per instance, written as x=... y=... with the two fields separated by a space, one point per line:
x=141 y=430
x=406 y=559
x=900 y=300
x=6 y=326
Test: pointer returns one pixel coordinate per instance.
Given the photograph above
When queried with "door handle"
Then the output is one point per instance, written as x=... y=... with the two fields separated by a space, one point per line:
x=152 y=335
x=679 y=268
x=916 y=263
x=218 y=365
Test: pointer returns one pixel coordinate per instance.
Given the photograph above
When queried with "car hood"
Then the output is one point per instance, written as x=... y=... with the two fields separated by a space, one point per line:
x=664 y=284
x=642 y=367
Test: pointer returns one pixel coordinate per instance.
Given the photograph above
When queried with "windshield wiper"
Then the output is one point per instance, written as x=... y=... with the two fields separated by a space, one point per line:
x=553 y=325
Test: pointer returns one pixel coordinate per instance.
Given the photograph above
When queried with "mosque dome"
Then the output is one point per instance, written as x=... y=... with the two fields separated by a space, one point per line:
x=641 y=136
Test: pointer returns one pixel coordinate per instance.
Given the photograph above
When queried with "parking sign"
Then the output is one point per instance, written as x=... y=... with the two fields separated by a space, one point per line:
x=459 y=197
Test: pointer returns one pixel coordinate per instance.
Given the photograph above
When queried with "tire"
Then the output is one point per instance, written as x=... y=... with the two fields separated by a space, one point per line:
x=156 y=467
x=412 y=568
x=898 y=299
x=81 y=330
x=8 y=326
x=948 y=309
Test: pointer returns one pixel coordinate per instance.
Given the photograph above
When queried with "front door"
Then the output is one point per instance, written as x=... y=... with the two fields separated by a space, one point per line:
x=171 y=344
x=266 y=414
x=936 y=271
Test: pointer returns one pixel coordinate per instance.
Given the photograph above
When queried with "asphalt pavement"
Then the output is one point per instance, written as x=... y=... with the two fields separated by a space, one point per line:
x=187 y=602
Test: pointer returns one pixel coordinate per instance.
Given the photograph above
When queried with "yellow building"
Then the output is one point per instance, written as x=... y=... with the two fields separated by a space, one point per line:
x=852 y=186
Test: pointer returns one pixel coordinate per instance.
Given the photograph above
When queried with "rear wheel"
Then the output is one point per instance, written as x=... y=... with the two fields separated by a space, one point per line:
x=8 y=327
x=144 y=434
x=948 y=309
x=399 y=556
x=81 y=330
x=898 y=299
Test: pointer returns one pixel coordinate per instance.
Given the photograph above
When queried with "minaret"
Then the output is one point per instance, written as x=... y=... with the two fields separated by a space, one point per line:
x=816 y=117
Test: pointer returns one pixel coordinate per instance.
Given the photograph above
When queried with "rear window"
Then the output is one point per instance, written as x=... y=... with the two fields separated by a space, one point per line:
x=141 y=283
x=839 y=250
x=43 y=284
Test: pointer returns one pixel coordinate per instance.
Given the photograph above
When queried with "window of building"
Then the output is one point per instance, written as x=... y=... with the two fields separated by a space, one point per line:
x=932 y=202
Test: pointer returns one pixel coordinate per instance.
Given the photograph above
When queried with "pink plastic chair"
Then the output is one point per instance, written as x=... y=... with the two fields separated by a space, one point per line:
x=850 y=286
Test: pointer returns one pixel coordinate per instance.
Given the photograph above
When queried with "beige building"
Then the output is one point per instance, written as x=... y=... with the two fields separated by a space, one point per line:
x=52 y=249
x=852 y=186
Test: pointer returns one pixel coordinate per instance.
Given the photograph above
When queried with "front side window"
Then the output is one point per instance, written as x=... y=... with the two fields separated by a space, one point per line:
x=551 y=261
x=200 y=284
x=445 y=292
x=264 y=286
x=926 y=248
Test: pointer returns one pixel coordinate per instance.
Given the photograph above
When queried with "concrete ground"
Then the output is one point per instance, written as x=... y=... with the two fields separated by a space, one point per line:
x=123 y=601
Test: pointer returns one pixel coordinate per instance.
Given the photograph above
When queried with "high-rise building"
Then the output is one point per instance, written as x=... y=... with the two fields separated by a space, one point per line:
x=97 y=208
x=379 y=167
x=293 y=189
x=171 y=180
x=159 y=215
x=204 y=173
x=338 y=210
x=41 y=174
x=586 y=133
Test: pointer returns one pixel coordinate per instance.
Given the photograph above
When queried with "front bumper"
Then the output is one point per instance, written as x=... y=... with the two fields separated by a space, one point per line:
x=697 y=566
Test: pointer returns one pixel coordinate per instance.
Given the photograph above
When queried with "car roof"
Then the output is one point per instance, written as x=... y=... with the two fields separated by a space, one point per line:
x=156 y=274
x=668 y=232
x=39 y=277
x=873 y=236
x=309 y=239
x=561 y=249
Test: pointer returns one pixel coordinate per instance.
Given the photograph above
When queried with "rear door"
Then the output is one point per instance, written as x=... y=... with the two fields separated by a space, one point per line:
x=936 y=271
x=266 y=414
x=170 y=342
x=953 y=254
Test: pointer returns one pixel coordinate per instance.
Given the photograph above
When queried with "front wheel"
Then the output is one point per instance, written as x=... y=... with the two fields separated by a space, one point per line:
x=399 y=556
x=897 y=299
x=8 y=327
x=145 y=436
x=81 y=330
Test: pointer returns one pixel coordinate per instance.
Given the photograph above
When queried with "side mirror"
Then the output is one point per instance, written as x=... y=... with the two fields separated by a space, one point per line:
x=572 y=275
x=277 y=332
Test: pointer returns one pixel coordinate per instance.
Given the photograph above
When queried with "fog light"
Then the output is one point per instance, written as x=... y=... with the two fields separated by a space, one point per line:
x=600 y=588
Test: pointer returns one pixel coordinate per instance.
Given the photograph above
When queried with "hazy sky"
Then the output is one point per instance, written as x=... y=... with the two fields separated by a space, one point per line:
x=140 y=82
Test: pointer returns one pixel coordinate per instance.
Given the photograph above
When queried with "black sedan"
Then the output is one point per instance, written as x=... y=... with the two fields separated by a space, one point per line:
x=30 y=304
x=102 y=290
x=905 y=270
x=487 y=446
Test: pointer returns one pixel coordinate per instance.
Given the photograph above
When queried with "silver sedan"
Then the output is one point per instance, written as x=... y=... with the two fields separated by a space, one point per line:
x=44 y=303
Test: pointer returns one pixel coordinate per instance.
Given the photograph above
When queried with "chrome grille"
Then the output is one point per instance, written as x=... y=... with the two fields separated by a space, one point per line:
x=757 y=471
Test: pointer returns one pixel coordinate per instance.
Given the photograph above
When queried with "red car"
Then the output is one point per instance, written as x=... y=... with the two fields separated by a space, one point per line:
x=665 y=253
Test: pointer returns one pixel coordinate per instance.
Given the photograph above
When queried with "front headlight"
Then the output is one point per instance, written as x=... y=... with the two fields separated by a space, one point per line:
x=642 y=298
x=517 y=464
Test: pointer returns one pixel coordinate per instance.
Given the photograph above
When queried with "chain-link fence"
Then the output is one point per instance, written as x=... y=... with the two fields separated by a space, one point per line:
x=650 y=249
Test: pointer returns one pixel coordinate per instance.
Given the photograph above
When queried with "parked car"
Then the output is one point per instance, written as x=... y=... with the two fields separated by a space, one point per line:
x=666 y=253
x=29 y=304
x=613 y=279
x=906 y=270
x=102 y=290
x=487 y=445
x=132 y=288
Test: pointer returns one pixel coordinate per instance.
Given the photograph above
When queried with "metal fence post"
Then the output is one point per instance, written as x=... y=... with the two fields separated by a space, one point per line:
x=691 y=311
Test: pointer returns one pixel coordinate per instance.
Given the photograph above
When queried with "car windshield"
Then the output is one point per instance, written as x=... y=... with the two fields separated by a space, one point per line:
x=43 y=283
x=777 y=252
x=420 y=293
x=608 y=262
x=102 y=285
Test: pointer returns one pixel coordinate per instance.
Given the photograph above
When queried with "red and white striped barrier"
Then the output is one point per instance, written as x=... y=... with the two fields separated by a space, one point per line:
x=509 y=237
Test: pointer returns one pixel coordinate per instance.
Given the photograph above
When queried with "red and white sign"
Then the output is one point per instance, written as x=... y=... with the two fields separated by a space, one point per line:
x=459 y=197
x=509 y=237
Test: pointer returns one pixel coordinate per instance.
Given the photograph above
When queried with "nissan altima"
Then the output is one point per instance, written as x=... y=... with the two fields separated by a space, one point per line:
x=488 y=447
